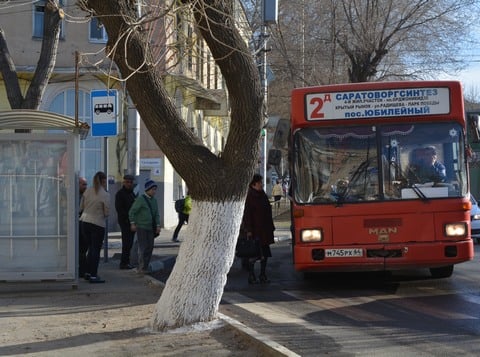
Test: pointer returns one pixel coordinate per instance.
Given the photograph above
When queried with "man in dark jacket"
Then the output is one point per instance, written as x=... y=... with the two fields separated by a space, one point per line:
x=123 y=201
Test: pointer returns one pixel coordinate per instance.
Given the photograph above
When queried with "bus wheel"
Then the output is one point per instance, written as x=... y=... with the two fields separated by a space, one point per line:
x=442 y=272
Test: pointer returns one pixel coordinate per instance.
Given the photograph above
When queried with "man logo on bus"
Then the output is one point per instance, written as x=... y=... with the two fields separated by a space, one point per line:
x=103 y=108
x=383 y=234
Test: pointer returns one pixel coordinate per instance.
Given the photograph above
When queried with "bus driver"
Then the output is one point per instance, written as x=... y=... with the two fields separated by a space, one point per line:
x=424 y=166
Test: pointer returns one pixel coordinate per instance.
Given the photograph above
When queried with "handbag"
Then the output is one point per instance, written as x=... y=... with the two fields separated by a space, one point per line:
x=248 y=248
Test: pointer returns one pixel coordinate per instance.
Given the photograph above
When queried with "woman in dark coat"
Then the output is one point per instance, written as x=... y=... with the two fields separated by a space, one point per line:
x=257 y=223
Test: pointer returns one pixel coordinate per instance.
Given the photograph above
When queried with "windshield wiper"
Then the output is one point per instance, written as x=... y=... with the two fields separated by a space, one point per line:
x=419 y=192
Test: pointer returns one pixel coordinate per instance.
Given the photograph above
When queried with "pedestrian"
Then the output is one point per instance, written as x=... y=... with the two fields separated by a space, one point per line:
x=183 y=214
x=82 y=243
x=145 y=220
x=124 y=199
x=258 y=224
x=82 y=186
x=277 y=193
x=95 y=207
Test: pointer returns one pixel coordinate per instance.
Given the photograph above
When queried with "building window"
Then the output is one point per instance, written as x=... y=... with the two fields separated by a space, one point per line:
x=97 y=31
x=202 y=60
x=190 y=43
x=38 y=19
x=216 y=77
x=199 y=123
x=209 y=63
x=91 y=158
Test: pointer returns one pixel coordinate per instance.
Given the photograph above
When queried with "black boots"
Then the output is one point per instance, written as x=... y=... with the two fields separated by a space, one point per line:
x=251 y=273
x=252 y=279
x=262 y=279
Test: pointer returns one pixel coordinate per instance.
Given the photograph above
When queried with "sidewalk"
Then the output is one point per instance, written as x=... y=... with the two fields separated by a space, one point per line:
x=54 y=319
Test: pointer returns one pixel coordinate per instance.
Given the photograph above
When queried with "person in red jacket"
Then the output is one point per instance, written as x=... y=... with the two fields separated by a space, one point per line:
x=258 y=224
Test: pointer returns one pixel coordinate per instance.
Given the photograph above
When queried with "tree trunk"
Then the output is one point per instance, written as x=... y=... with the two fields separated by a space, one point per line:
x=217 y=184
x=195 y=286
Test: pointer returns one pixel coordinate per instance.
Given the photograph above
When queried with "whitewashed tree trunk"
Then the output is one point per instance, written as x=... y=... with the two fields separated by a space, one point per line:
x=195 y=287
x=217 y=182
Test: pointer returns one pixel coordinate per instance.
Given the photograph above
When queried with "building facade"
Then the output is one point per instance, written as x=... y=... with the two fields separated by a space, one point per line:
x=189 y=73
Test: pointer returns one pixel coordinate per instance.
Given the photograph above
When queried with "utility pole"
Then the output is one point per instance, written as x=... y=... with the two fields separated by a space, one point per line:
x=269 y=16
x=133 y=128
x=264 y=38
x=133 y=139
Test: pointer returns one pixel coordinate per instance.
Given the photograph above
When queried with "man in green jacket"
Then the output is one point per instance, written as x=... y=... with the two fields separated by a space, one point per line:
x=145 y=220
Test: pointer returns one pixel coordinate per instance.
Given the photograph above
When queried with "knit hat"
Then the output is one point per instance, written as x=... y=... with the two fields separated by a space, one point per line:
x=129 y=178
x=150 y=184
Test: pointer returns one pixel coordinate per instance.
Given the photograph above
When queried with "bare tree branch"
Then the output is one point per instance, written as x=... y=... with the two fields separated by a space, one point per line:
x=51 y=32
x=9 y=73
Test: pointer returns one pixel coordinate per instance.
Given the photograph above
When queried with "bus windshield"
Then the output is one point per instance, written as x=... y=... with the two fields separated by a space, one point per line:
x=365 y=163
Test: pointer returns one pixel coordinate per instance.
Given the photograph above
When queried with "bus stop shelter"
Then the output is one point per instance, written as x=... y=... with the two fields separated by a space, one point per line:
x=39 y=172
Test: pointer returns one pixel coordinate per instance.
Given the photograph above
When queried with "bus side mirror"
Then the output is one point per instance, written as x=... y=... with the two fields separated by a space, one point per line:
x=474 y=123
x=274 y=157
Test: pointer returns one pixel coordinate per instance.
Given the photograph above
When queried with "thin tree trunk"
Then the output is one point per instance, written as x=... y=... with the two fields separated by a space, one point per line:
x=51 y=33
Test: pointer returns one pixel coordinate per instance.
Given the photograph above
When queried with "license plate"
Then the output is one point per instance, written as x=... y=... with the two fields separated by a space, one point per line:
x=343 y=253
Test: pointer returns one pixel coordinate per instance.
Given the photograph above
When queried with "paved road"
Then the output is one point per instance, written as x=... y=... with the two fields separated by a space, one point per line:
x=361 y=314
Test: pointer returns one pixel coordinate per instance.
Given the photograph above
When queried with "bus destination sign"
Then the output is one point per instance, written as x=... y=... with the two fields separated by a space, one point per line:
x=377 y=103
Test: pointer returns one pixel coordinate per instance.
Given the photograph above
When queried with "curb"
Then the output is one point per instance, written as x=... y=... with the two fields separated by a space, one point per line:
x=266 y=346
x=161 y=264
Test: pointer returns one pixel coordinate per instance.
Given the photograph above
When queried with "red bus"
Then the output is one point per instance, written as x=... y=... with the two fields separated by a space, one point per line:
x=379 y=177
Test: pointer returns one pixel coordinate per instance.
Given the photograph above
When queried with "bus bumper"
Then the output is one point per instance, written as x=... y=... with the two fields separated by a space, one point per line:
x=382 y=257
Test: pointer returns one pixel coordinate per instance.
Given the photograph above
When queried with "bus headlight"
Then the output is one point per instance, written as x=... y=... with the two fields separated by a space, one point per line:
x=312 y=235
x=456 y=229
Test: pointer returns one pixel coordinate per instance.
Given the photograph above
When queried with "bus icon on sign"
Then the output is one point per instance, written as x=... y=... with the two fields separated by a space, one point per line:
x=103 y=108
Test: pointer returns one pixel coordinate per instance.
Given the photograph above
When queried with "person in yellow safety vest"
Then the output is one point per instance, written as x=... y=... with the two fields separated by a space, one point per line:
x=183 y=214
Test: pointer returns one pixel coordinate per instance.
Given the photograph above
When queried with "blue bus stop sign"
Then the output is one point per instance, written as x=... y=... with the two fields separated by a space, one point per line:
x=104 y=112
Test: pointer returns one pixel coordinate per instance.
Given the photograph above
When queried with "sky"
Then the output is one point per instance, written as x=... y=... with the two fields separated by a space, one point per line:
x=470 y=77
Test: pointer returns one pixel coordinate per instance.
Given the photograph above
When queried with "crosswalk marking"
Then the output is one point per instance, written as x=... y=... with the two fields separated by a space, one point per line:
x=427 y=309
x=267 y=311
x=345 y=307
x=275 y=314
x=352 y=339
x=350 y=307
